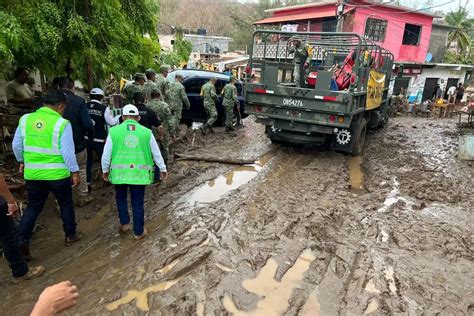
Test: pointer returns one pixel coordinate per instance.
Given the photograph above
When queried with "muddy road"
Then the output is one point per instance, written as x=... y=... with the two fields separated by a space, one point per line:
x=300 y=232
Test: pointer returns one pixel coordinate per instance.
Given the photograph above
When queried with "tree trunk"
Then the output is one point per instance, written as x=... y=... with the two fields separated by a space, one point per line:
x=230 y=161
x=90 y=74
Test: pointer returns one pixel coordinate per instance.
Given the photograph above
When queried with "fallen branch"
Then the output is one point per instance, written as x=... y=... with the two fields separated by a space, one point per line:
x=229 y=161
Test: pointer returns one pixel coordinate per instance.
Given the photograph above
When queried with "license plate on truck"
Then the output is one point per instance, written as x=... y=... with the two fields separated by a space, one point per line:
x=293 y=102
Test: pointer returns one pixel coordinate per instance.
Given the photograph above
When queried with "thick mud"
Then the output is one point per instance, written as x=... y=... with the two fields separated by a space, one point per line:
x=300 y=232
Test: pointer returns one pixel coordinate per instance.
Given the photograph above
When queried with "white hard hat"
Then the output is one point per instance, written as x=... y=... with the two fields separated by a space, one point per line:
x=130 y=110
x=97 y=91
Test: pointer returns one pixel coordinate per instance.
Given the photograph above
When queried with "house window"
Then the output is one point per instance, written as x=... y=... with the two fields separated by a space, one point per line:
x=375 y=29
x=412 y=34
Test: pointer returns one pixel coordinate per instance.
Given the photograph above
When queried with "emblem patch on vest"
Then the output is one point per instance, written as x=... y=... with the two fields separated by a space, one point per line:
x=130 y=127
x=39 y=124
x=131 y=141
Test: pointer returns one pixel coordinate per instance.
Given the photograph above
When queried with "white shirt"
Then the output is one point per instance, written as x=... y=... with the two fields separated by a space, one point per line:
x=155 y=151
x=109 y=119
x=452 y=90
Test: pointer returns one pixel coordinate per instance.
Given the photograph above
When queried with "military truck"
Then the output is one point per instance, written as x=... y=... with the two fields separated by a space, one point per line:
x=345 y=88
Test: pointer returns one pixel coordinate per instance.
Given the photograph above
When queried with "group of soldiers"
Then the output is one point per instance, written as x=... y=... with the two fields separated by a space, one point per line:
x=167 y=100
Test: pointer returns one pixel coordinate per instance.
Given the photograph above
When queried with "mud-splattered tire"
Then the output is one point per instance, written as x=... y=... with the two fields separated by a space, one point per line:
x=360 y=134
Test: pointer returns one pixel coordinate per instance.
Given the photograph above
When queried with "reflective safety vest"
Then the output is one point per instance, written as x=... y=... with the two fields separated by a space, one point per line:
x=42 y=131
x=132 y=160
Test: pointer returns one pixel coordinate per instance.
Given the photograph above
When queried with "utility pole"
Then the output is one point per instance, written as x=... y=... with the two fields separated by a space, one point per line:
x=340 y=15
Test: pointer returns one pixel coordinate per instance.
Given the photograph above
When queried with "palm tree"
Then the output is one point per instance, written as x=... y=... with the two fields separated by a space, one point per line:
x=463 y=26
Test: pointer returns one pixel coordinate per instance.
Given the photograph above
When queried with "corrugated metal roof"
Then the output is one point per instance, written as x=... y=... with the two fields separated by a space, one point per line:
x=331 y=12
x=366 y=2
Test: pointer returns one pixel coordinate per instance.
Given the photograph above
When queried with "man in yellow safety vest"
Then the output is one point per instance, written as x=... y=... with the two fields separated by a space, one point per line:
x=128 y=162
x=44 y=146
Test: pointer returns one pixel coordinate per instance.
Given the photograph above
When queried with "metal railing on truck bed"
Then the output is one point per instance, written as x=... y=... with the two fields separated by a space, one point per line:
x=328 y=51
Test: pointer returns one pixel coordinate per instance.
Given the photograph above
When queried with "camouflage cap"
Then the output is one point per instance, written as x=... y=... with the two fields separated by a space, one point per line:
x=155 y=90
x=164 y=68
x=139 y=76
x=150 y=72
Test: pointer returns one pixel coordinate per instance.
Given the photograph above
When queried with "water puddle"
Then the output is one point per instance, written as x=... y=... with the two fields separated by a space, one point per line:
x=168 y=267
x=200 y=309
x=141 y=297
x=311 y=307
x=223 y=267
x=371 y=307
x=393 y=197
x=274 y=295
x=356 y=176
x=370 y=287
x=389 y=277
x=215 y=189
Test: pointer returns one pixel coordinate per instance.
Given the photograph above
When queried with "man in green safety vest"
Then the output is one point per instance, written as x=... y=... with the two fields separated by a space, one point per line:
x=128 y=162
x=44 y=146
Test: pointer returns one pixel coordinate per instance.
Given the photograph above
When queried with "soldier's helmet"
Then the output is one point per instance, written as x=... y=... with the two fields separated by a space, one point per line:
x=155 y=92
x=150 y=72
x=139 y=76
x=164 y=68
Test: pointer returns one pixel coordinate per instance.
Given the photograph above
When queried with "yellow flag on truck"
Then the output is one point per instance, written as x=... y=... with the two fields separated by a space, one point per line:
x=375 y=87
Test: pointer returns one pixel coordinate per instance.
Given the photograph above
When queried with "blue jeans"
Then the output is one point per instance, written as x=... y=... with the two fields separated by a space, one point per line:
x=10 y=242
x=38 y=192
x=92 y=147
x=137 y=194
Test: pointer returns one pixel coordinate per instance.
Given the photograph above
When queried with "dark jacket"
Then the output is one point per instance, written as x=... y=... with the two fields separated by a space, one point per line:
x=81 y=123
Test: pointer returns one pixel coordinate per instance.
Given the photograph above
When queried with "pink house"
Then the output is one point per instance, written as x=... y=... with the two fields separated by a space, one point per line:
x=399 y=29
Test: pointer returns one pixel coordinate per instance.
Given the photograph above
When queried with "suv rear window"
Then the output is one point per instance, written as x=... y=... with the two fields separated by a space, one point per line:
x=220 y=85
x=194 y=85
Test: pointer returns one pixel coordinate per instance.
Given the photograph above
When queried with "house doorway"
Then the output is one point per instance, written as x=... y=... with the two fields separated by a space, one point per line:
x=429 y=89
x=451 y=82
x=400 y=82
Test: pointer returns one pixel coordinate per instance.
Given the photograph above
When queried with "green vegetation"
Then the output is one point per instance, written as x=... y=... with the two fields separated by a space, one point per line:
x=87 y=39
x=461 y=35
x=181 y=50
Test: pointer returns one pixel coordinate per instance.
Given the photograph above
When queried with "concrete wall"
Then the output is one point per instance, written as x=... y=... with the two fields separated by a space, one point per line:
x=417 y=83
x=438 y=43
x=199 y=43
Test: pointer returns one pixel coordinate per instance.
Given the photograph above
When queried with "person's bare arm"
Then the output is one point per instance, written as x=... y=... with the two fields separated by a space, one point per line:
x=56 y=298
x=5 y=192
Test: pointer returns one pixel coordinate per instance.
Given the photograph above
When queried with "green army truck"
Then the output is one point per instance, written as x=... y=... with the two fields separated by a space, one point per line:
x=343 y=90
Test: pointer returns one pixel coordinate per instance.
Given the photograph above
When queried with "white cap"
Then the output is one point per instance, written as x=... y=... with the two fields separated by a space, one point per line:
x=130 y=110
x=97 y=91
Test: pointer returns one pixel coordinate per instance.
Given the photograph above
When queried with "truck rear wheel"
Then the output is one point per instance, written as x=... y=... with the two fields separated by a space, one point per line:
x=359 y=141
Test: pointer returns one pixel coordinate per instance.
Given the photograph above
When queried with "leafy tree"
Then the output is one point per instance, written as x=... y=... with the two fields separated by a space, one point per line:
x=181 y=50
x=88 y=39
x=182 y=47
x=460 y=35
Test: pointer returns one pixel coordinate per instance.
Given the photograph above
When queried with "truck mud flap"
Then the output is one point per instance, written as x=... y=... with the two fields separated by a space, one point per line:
x=350 y=140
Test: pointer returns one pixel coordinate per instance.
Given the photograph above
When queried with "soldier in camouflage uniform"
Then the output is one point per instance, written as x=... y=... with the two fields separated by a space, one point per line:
x=162 y=84
x=150 y=83
x=300 y=60
x=230 y=99
x=208 y=92
x=178 y=98
x=164 y=113
x=132 y=87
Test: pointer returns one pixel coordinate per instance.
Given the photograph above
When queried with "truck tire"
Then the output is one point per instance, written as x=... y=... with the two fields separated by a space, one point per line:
x=270 y=135
x=360 y=132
